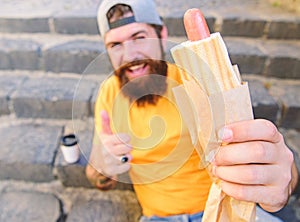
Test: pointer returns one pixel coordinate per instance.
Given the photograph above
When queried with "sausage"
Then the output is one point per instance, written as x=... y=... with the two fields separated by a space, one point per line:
x=195 y=25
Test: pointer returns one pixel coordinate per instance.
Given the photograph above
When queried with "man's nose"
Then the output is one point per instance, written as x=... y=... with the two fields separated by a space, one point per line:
x=129 y=52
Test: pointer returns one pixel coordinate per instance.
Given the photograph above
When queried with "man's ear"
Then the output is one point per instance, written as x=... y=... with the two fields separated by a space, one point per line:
x=164 y=37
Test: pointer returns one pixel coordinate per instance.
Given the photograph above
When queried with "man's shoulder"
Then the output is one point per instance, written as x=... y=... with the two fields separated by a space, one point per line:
x=110 y=83
x=109 y=88
x=110 y=80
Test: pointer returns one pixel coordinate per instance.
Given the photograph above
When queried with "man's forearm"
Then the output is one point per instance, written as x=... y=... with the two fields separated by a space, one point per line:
x=99 y=180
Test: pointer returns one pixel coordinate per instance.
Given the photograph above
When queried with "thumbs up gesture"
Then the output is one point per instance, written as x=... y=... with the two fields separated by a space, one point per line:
x=115 y=149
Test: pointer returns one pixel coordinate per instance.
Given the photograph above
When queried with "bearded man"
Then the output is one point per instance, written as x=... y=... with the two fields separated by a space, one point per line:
x=138 y=129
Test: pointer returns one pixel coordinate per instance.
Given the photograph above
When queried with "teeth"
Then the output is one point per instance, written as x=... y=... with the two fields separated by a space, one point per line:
x=133 y=68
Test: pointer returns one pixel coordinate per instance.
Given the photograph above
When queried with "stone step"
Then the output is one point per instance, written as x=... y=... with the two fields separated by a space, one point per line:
x=44 y=160
x=284 y=92
x=52 y=202
x=44 y=181
x=66 y=96
x=262 y=20
x=50 y=205
x=65 y=53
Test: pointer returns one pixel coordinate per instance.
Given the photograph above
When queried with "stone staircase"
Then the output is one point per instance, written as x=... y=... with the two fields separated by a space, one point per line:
x=48 y=89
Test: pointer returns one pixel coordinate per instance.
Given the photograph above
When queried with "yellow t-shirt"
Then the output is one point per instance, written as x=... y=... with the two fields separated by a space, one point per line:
x=165 y=166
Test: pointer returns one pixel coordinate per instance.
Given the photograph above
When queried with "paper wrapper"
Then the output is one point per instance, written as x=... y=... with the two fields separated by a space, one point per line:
x=212 y=96
x=204 y=116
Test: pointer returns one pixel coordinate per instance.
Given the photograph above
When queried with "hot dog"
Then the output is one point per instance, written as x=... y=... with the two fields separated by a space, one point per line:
x=205 y=55
x=195 y=25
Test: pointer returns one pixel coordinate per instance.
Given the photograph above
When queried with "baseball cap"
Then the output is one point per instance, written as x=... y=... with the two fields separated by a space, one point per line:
x=144 y=11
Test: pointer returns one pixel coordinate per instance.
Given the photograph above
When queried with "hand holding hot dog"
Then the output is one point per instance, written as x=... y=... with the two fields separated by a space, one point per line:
x=255 y=165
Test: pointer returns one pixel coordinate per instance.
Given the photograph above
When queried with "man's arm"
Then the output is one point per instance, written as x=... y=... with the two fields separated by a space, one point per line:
x=97 y=179
x=104 y=163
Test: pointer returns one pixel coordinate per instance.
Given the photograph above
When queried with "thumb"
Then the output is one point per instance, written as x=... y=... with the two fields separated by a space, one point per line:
x=105 y=122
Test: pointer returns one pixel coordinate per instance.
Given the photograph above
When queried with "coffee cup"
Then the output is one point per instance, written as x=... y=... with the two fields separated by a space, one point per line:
x=70 y=148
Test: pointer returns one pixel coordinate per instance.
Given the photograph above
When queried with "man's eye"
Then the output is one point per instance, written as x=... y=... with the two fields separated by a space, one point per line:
x=114 y=45
x=140 y=37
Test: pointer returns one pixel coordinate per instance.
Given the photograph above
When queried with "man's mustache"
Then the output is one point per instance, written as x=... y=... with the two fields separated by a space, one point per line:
x=137 y=62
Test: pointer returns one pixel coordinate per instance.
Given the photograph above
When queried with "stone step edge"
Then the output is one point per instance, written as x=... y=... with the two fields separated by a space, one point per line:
x=229 y=25
x=67 y=97
x=278 y=58
x=50 y=40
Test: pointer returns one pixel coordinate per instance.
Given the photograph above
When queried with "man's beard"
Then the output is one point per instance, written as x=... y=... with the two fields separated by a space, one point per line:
x=145 y=89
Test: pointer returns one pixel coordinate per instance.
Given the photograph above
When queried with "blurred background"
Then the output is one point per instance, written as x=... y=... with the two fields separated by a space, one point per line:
x=48 y=89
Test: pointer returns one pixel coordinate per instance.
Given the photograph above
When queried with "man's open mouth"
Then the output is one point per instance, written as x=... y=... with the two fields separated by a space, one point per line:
x=137 y=70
